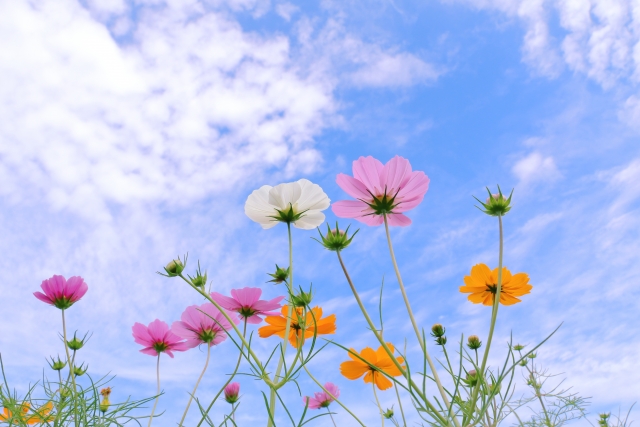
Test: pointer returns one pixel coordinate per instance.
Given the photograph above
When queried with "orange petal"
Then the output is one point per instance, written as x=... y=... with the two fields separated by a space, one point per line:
x=267 y=331
x=381 y=381
x=353 y=370
x=482 y=274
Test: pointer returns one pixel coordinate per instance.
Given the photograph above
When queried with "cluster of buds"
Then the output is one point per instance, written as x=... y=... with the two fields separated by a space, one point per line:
x=336 y=240
x=496 y=204
x=473 y=342
x=281 y=275
x=437 y=331
x=104 y=405
x=604 y=420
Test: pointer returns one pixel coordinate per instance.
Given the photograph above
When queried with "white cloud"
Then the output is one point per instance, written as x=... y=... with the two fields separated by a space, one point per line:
x=536 y=168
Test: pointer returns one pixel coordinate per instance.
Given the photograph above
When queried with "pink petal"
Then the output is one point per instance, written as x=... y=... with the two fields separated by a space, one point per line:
x=404 y=206
x=416 y=186
x=395 y=174
x=367 y=170
x=350 y=209
x=255 y=319
x=353 y=187
x=150 y=351
x=157 y=330
x=333 y=389
x=398 y=220
x=226 y=302
x=43 y=297
x=76 y=288
x=141 y=334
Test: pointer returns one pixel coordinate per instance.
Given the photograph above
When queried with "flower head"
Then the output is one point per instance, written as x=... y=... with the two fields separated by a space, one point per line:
x=381 y=190
x=496 y=204
x=483 y=285
x=301 y=326
x=232 y=392
x=203 y=324
x=62 y=293
x=247 y=303
x=372 y=367
x=157 y=338
x=322 y=399
x=104 y=404
x=299 y=203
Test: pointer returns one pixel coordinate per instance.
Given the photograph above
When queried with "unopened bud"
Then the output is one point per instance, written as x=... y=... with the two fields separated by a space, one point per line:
x=76 y=344
x=175 y=267
x=302 y=299
x=441 y=340
x=388 y=414
x=518 y=347
x=57 y=365
x=79 y=371
x=280 y=275
x=496 y=204
x=232 y=392
x=472 y=378
x=336 y=240
x=104 y=405
x=437 y=330
x=473 y=342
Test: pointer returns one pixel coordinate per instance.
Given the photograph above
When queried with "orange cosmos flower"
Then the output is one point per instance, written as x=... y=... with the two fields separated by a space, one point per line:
x=377 y=360
x=483 y=285
x=278 y=324
x=39 y=415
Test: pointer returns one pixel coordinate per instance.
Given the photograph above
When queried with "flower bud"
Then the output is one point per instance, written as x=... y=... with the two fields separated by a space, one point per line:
x=496 y=204
x=57 y=365
x=64 y=393
x=79 y=371
x=302 y=299
x=437 y=330
x=523 y=362
x=518 y=347
x=281 y=275
x=199 y=280
x=104 y=405
x=175 y=267
x=441 y=340
x=532 y=355
x=472 y=378
x=75 y=344
x=388 y=414
x=473 y=342
x=604 y=420
x=336 y=240
x=231 y=392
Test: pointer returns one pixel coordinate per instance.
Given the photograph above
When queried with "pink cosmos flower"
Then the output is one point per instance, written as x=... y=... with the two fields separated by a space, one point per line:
x=157 y=338
x=62 y=293
x=247 y=303
x=322 y=399
x=231 y=392
x=200 y=328
x=389 y=190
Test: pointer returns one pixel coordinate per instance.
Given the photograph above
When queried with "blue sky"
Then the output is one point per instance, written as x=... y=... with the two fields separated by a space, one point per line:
x=134 y=131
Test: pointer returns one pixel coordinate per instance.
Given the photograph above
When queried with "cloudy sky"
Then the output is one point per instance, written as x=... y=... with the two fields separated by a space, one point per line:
x=132 y=131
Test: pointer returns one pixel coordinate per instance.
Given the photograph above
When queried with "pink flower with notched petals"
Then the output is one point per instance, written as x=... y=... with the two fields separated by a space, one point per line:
x=62 y=293
x=203 y=324
x=322 y=399
x=157 y=338
x=247 y=303
x=382 y=190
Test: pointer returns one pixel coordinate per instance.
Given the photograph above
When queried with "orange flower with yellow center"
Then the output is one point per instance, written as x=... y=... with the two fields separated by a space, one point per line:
x=375 y=362
x=39 y=415
x=483 y=285
x=301 y=327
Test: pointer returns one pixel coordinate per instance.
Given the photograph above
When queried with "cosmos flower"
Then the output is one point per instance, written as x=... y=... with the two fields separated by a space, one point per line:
x=232 y=392
x=62 y=293
x=40 y=415
x=322 y=399
x=157 y=338
x=482 y=284
x=376 y=361
x=247 y=303
x=381 y=190
x=202 y=325
x=299 y=203
x=298 y=324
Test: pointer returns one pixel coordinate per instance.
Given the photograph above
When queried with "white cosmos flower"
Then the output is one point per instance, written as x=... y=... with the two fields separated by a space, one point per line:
x=299 y=203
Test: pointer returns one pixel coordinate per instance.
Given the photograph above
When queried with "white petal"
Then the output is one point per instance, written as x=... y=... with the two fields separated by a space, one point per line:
x=258 y=208
x=312 y=197
x=310 y=220
x=283 y=195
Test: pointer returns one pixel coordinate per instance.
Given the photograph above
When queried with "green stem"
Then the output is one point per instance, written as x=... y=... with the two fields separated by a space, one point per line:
x=71 y=373
x=330 y=394
x=404 y=421
x=193 y=393
x=423 y=345
x=494 y=315
x=157 y=392
x=233 y=374
x=331 y=416
x=285 y=340
x=373 y=384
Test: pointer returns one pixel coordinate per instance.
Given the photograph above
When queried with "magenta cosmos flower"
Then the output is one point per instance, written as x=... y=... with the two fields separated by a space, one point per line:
x=202 y=325
x=62 y=293
x=157 y=338
x=231 y=392
x=322 y=399
x=381 y=190
x=247 y=303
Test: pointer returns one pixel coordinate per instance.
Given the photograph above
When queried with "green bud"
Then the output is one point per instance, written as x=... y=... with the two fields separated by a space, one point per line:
x=523 y=362
x=518 y=347
x=200 y=280
x=64 y=392
x=441 y=340
x=531 y=355
x=437 y=330
x=175 y=267
x=388 y=414
x=336 y=240
x=496 y=204
x=57 y=365
x=472 y=378
x=79 y=371
x=604 y=420
x=75 y=344
x=473 y=342
x=281 y=275
x=302 y=299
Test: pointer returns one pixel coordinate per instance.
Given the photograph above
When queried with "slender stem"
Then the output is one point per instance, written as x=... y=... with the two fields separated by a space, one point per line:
x=494 y=315
x=193 y=393
x=71 y=373
x=373 y=384
x=233 y=412
x=233 y=374
x=157 y=392
x=331 y=416
x=304 y=366
x=423 y=345
x=404 y=421
x=285 y=340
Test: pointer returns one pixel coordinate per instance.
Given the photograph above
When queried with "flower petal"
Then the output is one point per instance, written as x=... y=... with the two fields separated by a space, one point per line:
x=367 y=170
